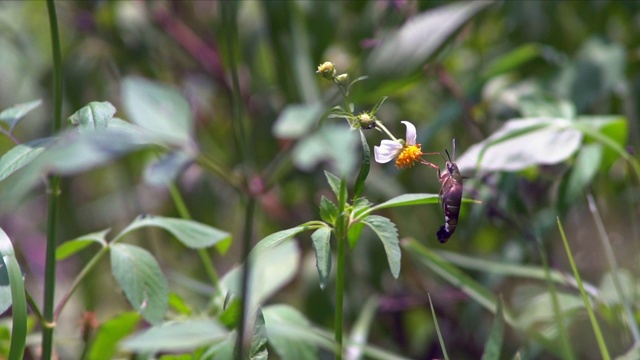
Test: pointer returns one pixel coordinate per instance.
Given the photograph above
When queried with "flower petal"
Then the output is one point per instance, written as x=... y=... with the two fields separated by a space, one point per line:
x=411 y=133
x=387 y=151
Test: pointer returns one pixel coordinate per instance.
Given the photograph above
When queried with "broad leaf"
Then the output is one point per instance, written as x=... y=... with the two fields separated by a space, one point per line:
x=14 y=114
x=548 y=141
x=192 y=234
x=94 y=116
x=283 y=324
x=139 y=275
x=21 y=155
x=176 y=336
x=105 y=343
x=328 y=210
x=581 y=173
x=407 y=50
x=297 y=120
x=258 y=350
x=165 y=170
x=71 y=247
x=158 y=108
x=322 y=245
x=388 y=234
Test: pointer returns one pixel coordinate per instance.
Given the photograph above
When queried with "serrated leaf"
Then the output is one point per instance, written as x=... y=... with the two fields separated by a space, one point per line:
x=297 y=120
x=365 y=165
x=105 y=343
x=289 y=332
x=322 y=245
x=165 y=170
x=493 y=346
x=334 y=183
x=192 y=234
x=176 y=336
x=388 y=234
x=139 y=275
x=407 y=50
x=14 y=114
x=21 y=155
x=94 y=116
x=159 y=108
x=328 y=210
x=258 y=350
x=73 y=246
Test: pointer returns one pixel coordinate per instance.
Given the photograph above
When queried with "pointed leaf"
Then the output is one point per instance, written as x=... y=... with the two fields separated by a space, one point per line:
x=71 y=247
x=328 y=210
x=159 y=108
x=334 y=183
x=176 y=336
x=18 y=297
x=582 y=172
x=258 y=350
x=14 y=114
x=493 y=347
x=21 y=155
x=165 y=170
x=192 y=234
x=388 y=234
x=278 y=237
x=354 y=234
x=365 y=165
x=94 y=116
x=322 y=245
x=105 y=343
x=139 y=275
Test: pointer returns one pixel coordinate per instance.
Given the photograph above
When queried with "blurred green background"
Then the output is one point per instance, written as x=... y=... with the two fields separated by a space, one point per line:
x=510 y=60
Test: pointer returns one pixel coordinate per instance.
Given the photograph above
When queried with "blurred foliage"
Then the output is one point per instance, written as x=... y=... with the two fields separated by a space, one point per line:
x=541 y=97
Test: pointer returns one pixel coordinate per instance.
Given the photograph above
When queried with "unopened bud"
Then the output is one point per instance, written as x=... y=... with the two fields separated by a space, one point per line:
x=327 y=70
x=342 y=79
x=366 y=121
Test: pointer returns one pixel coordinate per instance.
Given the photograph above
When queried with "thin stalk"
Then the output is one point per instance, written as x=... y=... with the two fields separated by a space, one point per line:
x=613 y=265
x=247 y=235
x=435 y=323
x=604 y=352
x=341 y=238
x=218 y=170
x=76 y=282
x=54 y=189
x=204 y=256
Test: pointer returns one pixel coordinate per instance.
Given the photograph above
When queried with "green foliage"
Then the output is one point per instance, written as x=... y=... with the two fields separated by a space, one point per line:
x=11 y=116
x=176 y=336
x=111 y=332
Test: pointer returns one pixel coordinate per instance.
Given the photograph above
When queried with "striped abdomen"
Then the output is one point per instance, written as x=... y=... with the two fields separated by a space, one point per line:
x=451 y=198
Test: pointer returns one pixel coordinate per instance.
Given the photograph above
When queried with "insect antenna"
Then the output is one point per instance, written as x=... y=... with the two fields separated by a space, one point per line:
x=445 y=150
x=454 y=149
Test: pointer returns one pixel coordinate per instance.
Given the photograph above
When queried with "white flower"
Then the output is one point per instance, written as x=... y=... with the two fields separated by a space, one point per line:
x=405 y=153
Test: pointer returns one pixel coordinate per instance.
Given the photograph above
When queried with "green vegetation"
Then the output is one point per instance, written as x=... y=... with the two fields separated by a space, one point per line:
x=257 y=179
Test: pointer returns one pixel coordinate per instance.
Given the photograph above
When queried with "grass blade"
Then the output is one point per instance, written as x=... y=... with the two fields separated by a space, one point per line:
x=592 y=317
x=435 y=323
x=18 y=297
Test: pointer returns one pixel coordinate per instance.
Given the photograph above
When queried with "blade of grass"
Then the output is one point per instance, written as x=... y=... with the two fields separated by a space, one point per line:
x=493 y=346
x=435 y=323
x=18 y=298
x=592 y=317
x=613 y=265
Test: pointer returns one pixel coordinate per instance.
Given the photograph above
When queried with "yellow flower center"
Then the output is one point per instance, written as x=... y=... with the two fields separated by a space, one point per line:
x=408 y=155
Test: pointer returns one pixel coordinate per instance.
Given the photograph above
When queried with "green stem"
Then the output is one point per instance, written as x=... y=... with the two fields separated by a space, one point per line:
x=220 y=171
x=85 y=271
x=204 y=256
x=54 y=188
x=341 y=237
x=379 y=125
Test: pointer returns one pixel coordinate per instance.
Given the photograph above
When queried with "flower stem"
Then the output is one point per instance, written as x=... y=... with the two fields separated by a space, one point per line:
x=379 y=125
x=54 y=189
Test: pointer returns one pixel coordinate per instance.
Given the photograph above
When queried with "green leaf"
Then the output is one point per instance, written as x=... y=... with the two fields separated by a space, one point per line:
x=177 y=303
x=354 y=234
x=493 y=346
x=71 y=247
x=514 y=59
x=21 y=155
x=388 y=234
x=165 y=170
x=222 y=350
x=94 y=116
x=158 y=108
x=361 y=328
x=334 y=183
x=176 y=336
x=139 y=275
x=322 y=245
x=14 y=114
x=549 y=141
x=5 y=288
x=105 y=343
x=270 y=269
x=406 y=200
x=582 y=172
x=407 y=50
x=297 y=120
x=18 y=297
x=539 y=306
x=544 y=105
x=328 y=210
x=283 y=322
x=333 y=144
x=278 y=237
x=365 y=165
x=192 y=234
x=258 y=350
x=378 y=105
x=608 y=292
x=435 y=323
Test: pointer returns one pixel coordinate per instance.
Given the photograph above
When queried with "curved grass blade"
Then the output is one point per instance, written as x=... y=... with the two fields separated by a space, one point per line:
x=435 y=323
x=18 y=296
